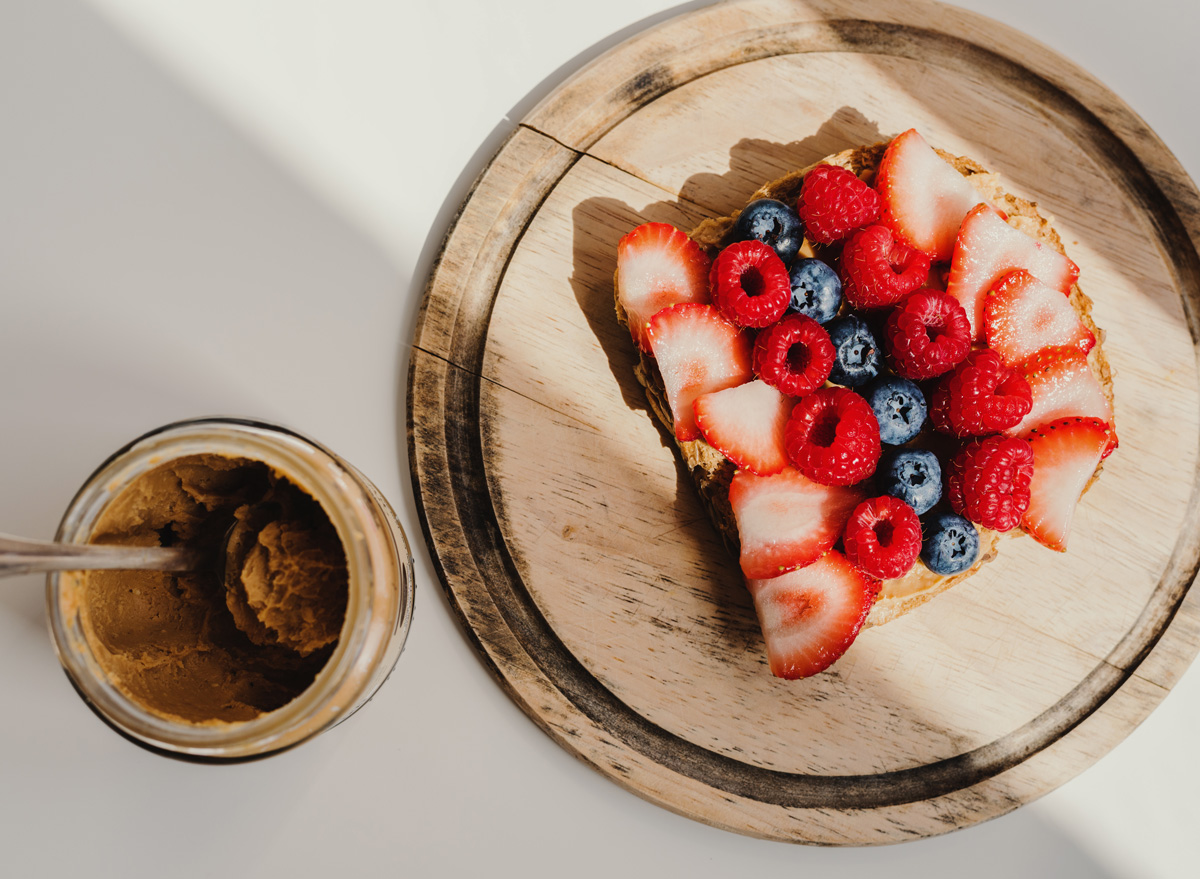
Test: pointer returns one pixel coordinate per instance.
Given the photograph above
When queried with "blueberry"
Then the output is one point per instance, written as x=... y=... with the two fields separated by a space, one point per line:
x=816 y=290
x=899 y=406
x=855 y=352
x=914 y=476
x=950 y=545
x=773 y=223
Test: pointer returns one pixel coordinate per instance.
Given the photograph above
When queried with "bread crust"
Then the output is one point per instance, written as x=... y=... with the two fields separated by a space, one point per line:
x=712 y=472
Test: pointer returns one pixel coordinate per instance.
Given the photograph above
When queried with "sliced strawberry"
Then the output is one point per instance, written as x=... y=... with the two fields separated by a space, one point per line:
x=924 y=196
x=987 y=249
x=1065 y=456
x=1022 y=316
x=698 y=352
x=658 y=266
x=787 y=521
x=745 y=424
x=810 y=617
x=1062 y=385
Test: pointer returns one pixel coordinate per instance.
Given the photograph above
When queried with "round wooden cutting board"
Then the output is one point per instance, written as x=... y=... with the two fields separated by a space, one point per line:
x=572 y=544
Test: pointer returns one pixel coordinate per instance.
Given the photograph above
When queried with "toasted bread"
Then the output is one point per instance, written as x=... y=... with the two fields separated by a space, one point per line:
x=712 y=472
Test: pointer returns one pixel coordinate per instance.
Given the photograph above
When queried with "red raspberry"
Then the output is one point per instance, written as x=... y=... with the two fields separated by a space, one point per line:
x=794 y=356
x=927 y=334
x=883 y=537
x=832 y=437
x=879 y=269
x=988 y=481
x=981 y=396
x=834 y=202
x=750 y=284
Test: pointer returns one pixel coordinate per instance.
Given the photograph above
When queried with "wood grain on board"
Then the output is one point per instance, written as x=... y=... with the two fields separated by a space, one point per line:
x=573 y=547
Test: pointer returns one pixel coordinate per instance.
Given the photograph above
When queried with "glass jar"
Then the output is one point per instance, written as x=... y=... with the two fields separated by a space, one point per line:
x=379 y=590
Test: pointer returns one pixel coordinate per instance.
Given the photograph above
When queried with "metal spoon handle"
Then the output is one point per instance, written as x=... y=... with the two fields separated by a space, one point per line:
x=21 y=556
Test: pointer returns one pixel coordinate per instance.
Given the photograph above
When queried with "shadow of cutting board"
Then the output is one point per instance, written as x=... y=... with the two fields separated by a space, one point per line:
x=573 y=548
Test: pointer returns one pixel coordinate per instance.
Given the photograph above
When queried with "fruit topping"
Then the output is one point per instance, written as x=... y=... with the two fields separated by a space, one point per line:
x=924 y=196
x=951 y=544
x=774 y=224
x=988 y=249
x=750 y=284
x=1065 y=456
x=658 y=266
x=856 y=357
x=832 y=437
x=697 y=352
x=834 y=202
x=1062 y=385
x=785 y=376
x=914 y=476
x=883 y=537
x=794 y=355
x=899 y=408
x=988 y=481
x=927 y=335
x=1022 y=316
x=1113 y=443
x=816 y=290
x=879 y=270
x=745 y=424
x=787 y=521
x=810 y=617
x=981 y=396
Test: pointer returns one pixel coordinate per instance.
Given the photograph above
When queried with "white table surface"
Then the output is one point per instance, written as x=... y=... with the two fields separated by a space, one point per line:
x=231 y=206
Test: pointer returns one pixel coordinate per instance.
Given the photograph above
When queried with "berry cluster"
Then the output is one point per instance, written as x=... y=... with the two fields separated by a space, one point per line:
x=841 y=480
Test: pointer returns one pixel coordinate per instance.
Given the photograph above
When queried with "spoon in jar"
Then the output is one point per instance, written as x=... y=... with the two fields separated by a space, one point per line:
x=295 y=621
x=19 y=555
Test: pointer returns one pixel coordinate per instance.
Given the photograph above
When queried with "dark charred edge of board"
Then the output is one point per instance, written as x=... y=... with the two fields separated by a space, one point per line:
x=651 y=83
x=500 y=571
x=455 y=399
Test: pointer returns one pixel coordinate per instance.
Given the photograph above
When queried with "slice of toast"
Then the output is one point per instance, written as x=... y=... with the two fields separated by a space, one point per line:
x=712 y=472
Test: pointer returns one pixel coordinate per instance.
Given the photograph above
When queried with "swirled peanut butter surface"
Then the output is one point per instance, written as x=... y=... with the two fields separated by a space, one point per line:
x=230 y=643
